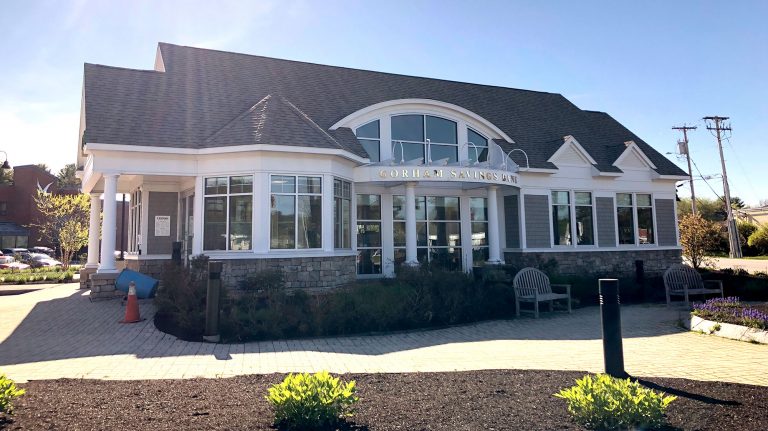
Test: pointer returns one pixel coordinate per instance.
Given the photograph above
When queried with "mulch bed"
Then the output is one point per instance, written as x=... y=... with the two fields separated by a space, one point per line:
x=477 y=400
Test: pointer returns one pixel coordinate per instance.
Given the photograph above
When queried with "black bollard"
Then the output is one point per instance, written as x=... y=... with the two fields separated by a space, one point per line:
x=176 y=252
x=212 y=303
x=610 y=317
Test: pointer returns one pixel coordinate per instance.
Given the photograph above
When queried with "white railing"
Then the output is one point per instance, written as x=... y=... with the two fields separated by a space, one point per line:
x=497 y=157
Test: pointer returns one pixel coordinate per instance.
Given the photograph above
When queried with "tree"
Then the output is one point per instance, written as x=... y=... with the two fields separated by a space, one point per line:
x=64 y=221
x=6 y=176
x=44 y=167
x=737 y=203
x=698 y=237
x=709 y=209
x=66 y=176
x=759 y=239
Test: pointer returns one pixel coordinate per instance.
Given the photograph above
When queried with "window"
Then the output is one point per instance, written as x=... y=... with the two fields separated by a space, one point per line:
x=369 y=137
x=134 y=219
x=438 y=231
x=478 y=210
x=569 y=210
x=342 y=213
x=228 y=213
x=296 y=212
x=477 y=147
x=416 y=134
x=631 y=207
x=368 y=234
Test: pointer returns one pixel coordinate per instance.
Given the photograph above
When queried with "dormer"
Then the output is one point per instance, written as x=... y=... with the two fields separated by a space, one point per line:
x=571 y=153
x=633 y=158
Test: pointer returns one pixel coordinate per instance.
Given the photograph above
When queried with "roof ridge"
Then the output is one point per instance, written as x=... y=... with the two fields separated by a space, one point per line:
x=242 y=115
x=311 y=122
x=362 y=70
x=86 y=64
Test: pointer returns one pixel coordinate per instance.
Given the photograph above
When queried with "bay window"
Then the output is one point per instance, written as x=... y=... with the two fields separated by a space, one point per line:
x=296 y=212
x=228 y=213
x=342 y=213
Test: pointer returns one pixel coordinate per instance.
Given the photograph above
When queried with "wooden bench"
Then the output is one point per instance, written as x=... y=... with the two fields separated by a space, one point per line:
x=682 y=280
x=532 y=285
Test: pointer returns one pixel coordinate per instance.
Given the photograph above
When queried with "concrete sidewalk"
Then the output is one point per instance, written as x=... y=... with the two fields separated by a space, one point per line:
x=58 y=332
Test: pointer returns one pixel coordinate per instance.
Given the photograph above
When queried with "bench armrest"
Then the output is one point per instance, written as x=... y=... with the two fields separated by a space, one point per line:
x=567 y=287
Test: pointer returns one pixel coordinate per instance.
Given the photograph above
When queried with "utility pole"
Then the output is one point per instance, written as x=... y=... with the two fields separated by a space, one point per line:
x=733 y=233
x=683 y=149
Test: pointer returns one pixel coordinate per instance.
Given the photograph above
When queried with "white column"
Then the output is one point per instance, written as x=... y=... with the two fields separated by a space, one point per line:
x=109 y=225
x=93 y=232
x=410 y=225
x=493 y=226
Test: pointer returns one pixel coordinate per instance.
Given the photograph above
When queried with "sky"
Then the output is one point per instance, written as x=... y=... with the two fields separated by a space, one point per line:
x=651 y=65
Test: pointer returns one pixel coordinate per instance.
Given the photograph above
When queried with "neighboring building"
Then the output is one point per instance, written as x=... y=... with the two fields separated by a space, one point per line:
x=18 y=211
x=758 y=216
x=334 y=174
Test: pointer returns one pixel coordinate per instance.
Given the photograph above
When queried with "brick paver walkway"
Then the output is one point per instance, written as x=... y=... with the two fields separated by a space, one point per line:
x=58 y=332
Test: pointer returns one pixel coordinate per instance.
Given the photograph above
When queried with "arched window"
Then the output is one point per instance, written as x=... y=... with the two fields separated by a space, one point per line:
x=477 y=147
x=424 y=137
x=369 y=137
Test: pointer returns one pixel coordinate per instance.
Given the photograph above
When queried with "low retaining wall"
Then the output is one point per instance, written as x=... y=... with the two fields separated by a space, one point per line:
x=600 y=263
x=727 y=330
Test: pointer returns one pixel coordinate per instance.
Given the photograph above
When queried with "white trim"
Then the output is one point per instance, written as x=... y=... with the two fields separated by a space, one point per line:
x=598 y=173
x=344 y=122
x=657 y=176
x=94 y=146
x=538 y=170
x=571 y=142
x=633 y=148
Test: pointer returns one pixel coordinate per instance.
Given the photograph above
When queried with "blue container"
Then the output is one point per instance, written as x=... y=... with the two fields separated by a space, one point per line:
x=145 y=285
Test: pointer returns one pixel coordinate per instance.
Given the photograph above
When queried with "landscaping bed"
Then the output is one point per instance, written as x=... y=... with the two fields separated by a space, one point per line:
x=476 y=400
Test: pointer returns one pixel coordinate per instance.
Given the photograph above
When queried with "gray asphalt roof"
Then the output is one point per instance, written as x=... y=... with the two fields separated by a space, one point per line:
x=208 y=98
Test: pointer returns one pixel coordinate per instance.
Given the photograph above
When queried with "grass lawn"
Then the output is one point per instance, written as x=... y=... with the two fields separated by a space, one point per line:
x=756 y=257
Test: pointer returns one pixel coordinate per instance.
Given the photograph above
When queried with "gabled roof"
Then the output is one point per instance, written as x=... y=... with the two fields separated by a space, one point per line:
x=203 y=98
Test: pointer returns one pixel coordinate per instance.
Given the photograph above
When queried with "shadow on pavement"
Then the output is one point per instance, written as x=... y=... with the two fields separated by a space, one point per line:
x=71 y=326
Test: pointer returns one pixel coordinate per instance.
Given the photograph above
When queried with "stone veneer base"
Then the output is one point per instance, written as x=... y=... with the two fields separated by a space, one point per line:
x=299 y=272
x=103 y=285
x=607 y=263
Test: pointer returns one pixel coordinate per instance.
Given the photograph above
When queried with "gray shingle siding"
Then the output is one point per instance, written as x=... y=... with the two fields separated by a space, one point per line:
x=665 y=222
x=512 y=221
x=537 y=221
x=606 y=222
x=161 y=204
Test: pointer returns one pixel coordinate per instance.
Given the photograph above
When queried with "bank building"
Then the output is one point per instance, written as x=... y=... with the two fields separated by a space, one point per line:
x=335 y=174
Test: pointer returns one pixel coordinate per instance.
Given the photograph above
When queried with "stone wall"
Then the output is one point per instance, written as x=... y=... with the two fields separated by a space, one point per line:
x=103 y=285
x=300 y=272
x=600 y=263
x=152 y=268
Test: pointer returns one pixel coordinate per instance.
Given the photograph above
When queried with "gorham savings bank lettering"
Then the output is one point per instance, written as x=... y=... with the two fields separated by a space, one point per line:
x=449 y=175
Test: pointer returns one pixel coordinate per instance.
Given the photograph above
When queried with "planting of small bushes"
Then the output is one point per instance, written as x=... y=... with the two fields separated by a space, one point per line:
x=606 y=403
x=56 y=275
x=311 y=401
x=417 y=298
x=732 y=310
x=8 y=392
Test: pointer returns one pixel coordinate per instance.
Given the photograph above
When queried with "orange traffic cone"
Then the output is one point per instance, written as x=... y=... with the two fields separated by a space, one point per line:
x=132 y=307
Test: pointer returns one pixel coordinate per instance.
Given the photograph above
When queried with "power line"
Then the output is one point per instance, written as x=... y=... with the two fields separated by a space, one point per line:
x=683 y=149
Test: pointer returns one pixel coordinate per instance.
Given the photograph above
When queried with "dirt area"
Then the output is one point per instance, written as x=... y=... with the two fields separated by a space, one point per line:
x=477 y=400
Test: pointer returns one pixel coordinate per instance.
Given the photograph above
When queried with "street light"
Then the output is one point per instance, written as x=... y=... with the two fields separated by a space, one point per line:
x=5 y=163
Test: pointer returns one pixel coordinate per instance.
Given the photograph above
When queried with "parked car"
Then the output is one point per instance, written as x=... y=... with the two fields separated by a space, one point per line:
x=9 y=262
x=23 y=252
x=40 y=249
x=38 y=260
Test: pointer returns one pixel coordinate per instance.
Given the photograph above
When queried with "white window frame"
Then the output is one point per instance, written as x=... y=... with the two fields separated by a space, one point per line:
x=634 y=219
x=351 y=207
x=227 y=195
x=296 y=195
x=371 y=139
x=427 y=146
x=572 y=210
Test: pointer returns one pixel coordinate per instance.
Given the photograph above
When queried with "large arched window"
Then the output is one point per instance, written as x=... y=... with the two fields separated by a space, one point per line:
x=424 y=137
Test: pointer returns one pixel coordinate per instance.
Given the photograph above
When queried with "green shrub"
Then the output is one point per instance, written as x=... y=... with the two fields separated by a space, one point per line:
x=8 y=391
x=311 y=401
x=604 y=402
x=759 y=240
